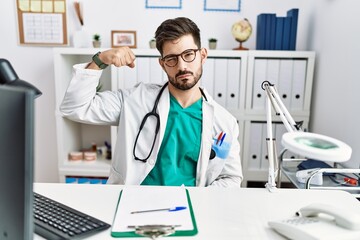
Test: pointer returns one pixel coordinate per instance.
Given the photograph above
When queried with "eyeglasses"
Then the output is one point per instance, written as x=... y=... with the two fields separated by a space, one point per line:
x=188 y=56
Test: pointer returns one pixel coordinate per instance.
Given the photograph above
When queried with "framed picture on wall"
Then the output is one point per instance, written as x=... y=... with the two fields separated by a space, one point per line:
x=176 y=4
x=222 y=5
x=123 y=38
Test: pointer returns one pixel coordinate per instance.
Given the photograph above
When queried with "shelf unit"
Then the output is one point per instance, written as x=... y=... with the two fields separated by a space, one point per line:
x=231 y=77
x=292 y=73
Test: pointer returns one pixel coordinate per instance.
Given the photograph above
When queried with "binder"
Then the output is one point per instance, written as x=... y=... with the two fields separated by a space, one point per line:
x=221 y=76
x=153 y=197
x=264 y=160
x=143 y=69
x=294 y=14
x=285 y=81
x=256 y=140
x=298 y=85
x=286 y=33
x=258 y=95
x=233 y=86
x=270 y=31
x=279 y=33
x=207 y=79
x=273 y=69
x=155 y=71
x=272 y=19
x=261 y=31
x=130 y=76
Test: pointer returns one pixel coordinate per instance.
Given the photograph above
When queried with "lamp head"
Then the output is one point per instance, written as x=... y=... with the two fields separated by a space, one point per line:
x=316 y=146
x=8 y=76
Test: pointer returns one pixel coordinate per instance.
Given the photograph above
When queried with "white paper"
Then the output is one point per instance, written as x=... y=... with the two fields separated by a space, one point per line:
x=147 y=198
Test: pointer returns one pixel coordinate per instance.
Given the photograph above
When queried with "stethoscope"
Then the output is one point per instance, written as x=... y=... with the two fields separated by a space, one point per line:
x=155 y=115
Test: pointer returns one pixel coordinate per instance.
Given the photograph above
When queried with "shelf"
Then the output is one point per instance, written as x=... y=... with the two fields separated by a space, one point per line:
x=99 y=167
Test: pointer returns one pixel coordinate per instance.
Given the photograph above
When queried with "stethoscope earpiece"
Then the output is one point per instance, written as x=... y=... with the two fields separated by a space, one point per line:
x=212 y=154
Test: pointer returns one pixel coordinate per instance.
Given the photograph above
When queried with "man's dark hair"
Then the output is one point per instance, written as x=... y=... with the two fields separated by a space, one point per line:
x=173 y=29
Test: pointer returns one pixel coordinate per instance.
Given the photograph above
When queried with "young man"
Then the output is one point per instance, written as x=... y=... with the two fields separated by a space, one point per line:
x=197 y=140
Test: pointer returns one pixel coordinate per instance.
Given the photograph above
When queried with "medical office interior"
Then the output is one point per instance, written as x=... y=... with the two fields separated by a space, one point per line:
x=325 y=28
x=322 y=93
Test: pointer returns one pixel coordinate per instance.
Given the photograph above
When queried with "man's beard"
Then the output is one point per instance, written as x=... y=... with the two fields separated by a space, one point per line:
x=185 y=83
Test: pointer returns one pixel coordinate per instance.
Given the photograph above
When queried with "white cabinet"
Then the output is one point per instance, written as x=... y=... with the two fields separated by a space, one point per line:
x=292 y=73
x=233 y=78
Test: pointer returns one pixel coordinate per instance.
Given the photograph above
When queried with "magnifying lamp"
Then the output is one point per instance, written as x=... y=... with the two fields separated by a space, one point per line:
x=307 y=144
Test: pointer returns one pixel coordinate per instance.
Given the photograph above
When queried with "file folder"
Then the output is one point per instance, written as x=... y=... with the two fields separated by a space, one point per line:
x=233 y=83
x=256 y=142
x=298 y=85
x=143 y=198
x=258 y=94
x=207 y=79
x=221 y=78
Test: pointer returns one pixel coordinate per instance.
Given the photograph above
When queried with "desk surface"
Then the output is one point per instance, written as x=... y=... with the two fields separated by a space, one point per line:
x=221 y=213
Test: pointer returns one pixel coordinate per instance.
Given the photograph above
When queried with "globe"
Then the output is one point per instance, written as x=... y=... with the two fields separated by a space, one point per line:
x=241 y=31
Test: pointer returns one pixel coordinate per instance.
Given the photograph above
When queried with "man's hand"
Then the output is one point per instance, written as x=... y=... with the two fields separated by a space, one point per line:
x=119 y=57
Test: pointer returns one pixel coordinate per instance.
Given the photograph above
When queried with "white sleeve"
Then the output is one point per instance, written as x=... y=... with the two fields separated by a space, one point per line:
x=83 y=104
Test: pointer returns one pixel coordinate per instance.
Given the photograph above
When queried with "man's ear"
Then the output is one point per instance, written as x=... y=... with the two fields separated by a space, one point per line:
x=161 y=64
x=204 y=54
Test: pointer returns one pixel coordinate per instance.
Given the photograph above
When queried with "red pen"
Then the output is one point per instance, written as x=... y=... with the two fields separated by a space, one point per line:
x=219 y=138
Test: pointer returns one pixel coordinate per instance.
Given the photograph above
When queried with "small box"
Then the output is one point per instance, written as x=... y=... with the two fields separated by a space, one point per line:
x=76 y=156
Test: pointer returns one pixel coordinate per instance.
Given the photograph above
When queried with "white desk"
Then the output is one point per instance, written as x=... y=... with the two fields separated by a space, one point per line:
x=220 y=213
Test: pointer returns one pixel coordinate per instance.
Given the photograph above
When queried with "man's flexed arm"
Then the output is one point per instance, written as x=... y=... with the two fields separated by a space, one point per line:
x=122 y=56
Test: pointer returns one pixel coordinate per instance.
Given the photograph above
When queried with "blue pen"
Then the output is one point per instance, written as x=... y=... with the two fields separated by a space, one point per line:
x=174 y=209
x=222 y=139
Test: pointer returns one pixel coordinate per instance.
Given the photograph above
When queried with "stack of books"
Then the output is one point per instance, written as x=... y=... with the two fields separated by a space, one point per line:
x=277 y=33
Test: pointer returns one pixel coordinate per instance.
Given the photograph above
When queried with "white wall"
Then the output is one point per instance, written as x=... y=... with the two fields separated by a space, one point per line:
x=336 y=98
x=315 y=32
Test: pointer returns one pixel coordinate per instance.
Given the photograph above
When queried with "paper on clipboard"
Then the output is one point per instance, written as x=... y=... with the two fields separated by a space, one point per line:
x=149 y=197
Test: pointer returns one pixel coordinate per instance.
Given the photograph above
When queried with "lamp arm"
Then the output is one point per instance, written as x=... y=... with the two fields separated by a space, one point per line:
x=279 y=107
x=273 y=100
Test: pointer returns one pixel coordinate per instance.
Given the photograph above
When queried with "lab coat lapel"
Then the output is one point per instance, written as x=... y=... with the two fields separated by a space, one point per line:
x=163 y=111
x=208 y=119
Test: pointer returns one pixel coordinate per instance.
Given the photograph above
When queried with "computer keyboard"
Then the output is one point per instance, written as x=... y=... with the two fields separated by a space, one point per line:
x=54 y=220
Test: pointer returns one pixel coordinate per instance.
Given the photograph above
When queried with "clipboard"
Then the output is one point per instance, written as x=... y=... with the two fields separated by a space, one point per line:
x=139 y=199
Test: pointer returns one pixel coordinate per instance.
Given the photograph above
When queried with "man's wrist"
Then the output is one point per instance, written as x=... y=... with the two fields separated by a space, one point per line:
x=96 y=59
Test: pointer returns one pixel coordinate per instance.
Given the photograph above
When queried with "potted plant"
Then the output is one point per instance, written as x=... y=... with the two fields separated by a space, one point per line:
x=212 y=43
x=152 y=43
x=96 y=40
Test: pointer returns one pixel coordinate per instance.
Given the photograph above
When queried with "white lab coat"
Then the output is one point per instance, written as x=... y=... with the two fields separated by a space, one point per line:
x=126 y=109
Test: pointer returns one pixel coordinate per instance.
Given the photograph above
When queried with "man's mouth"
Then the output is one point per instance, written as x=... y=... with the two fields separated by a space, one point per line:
x=182 y=75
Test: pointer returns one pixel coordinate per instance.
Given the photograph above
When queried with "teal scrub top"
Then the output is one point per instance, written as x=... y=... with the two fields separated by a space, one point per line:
x=179 y=151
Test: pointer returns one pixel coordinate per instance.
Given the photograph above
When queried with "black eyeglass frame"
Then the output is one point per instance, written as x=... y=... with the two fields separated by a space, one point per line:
x=181 y=55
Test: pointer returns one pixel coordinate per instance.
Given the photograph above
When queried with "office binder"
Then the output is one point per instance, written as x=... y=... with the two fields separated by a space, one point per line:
x=264 y=160
x=279 y=33
x=258 y=95
x=286 y=33
x=256 y=140
x=261 y=32
x=207 y=79
x=156 y=72
x=294 y=14
x=273 y=68
x=221 y=78
x=141 y=199
x=233 y=83
x=143 y=69
x=298 y=84
x=285 y=81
